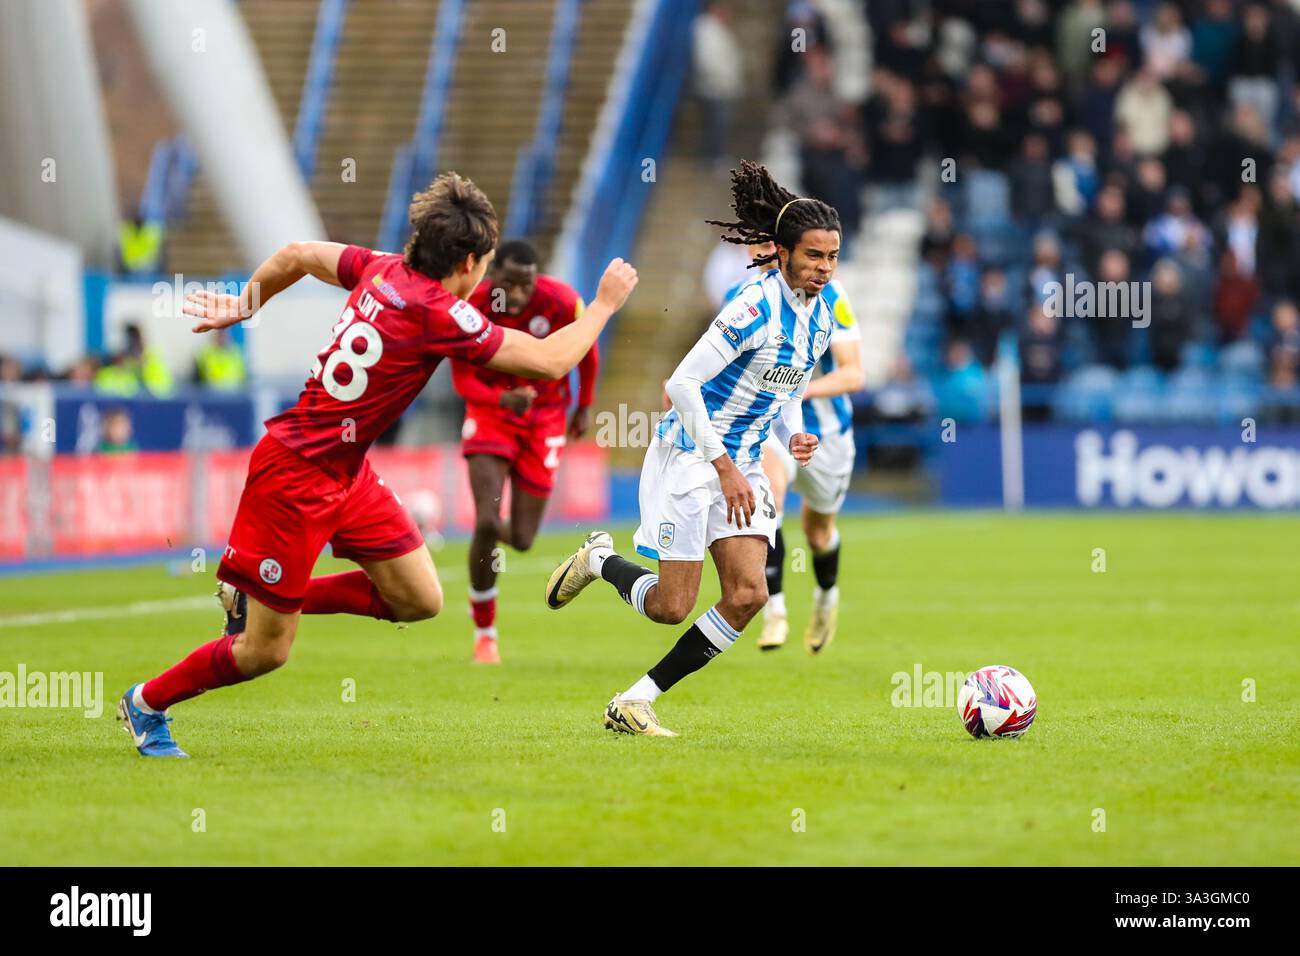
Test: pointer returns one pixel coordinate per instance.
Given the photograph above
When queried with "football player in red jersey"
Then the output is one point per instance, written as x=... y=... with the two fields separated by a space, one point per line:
x=309 y=482
x=514 y=425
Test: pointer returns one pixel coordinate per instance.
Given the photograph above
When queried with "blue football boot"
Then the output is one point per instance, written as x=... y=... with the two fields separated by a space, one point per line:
x=149 y=732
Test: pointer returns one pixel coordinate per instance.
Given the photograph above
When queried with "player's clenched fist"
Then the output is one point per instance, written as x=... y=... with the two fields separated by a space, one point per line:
x=616 y=284
x=802 y=446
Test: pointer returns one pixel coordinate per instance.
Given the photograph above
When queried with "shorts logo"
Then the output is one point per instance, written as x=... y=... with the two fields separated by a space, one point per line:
x=666 y=530
x=732 y=335
x=466 y=316
x=270 y=571
x=539 y=326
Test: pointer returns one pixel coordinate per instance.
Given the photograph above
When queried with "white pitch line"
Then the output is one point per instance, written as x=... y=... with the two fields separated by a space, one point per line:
x=110 y=611
x=194 y=603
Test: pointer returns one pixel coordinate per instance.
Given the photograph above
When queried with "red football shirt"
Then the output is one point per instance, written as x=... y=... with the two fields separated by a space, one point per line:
x=554 y=305
x=397 y=326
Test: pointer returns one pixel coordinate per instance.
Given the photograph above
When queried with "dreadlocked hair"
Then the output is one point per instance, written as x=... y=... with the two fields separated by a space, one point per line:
x=758 y=199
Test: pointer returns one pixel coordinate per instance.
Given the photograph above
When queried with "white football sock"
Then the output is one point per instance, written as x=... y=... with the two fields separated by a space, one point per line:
x=138 y=699
x=644 y=689
x=826 y=598
x=776 y=604
x=596 y=559
x=480 y=632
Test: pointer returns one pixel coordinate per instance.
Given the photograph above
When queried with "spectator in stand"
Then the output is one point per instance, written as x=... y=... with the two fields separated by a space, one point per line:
x=962 y=389
x=1074 y=38
x=1076 y=176
x=1166 y=42
x=986 y=140
x=11 y=370
x=991 y=317
x=1097 y=104
x=962 y=280
x=894 y=141
x=82 y=372
x=138 y=364
x=1255 y=65
x=1176 y=231
x=829 y=145
x=801 y=15
x=1148 y=194
x=719 y=77
x=1238 y=229
x=902 y=400
x=1235 y=296
x=1108 y=229
x=1185 y=161
x=1285 y=334
x=1278 y=250
x=1047 y=267
x=1171 y=319
x=116 y=432
x=1046 y=110
x=1214 y=41
x=219 y=363
x=1040 y=361
x=1033 y=199
x=1123 y=33
x=1144 y=107
x=1110 y=332
x=936 y=242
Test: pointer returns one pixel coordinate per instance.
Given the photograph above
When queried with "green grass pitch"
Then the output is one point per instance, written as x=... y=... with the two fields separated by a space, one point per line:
x=782 y=759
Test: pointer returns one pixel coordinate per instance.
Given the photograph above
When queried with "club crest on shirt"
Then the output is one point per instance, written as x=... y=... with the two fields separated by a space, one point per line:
x=819 y=341
x=666 y=531
x=781 y=379
x=539 y=326
x=270 y=571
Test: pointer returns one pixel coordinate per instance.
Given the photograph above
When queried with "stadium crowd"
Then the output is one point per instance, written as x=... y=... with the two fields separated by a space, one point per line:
x=1076 y=141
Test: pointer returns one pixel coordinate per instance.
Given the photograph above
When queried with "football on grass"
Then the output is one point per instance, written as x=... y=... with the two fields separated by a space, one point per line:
x=997 y=701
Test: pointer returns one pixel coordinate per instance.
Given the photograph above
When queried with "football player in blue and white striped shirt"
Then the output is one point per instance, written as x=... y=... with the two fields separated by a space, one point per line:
x=702 y=484
x=828 y=414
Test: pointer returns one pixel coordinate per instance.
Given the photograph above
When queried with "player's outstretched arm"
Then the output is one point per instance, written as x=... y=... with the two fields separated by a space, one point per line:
x=288 y=265
x=557 y=354
x=848 y=376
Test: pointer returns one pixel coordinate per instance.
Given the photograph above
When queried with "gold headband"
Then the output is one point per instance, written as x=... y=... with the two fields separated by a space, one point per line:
x=777 y=227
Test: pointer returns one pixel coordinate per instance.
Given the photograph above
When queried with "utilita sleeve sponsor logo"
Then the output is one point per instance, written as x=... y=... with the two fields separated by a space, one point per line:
x=1161 y=476
x=133 y=910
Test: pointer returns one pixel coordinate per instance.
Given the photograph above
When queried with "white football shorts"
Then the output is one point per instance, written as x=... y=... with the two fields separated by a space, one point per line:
x=683 y=510
x=825 y=482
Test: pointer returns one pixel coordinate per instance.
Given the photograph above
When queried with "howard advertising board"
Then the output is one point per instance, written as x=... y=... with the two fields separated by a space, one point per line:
x=1113 y=467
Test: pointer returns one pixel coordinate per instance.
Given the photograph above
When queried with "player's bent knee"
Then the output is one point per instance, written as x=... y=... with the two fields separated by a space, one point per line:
x=420 y=607
x=746 y=600
x=522 y=540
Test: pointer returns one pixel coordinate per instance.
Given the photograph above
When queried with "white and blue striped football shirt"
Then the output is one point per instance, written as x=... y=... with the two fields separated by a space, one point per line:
x=826 y=417
x=774 y=342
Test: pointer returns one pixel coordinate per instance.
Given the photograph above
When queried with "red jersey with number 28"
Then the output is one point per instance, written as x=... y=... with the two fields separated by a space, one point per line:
x=397 y=326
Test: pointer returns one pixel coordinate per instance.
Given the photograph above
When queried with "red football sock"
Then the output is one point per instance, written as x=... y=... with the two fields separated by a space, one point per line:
x=207 y=668
x=483 y=607
x=350 y=592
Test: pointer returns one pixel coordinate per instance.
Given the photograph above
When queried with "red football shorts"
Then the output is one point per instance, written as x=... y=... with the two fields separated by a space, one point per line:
x=532 y=445
x=290 y=508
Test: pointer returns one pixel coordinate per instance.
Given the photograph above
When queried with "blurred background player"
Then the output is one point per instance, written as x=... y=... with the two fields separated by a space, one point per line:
x=309 y=480
x=515 y=426
x=702 y=483
x=828 y=414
